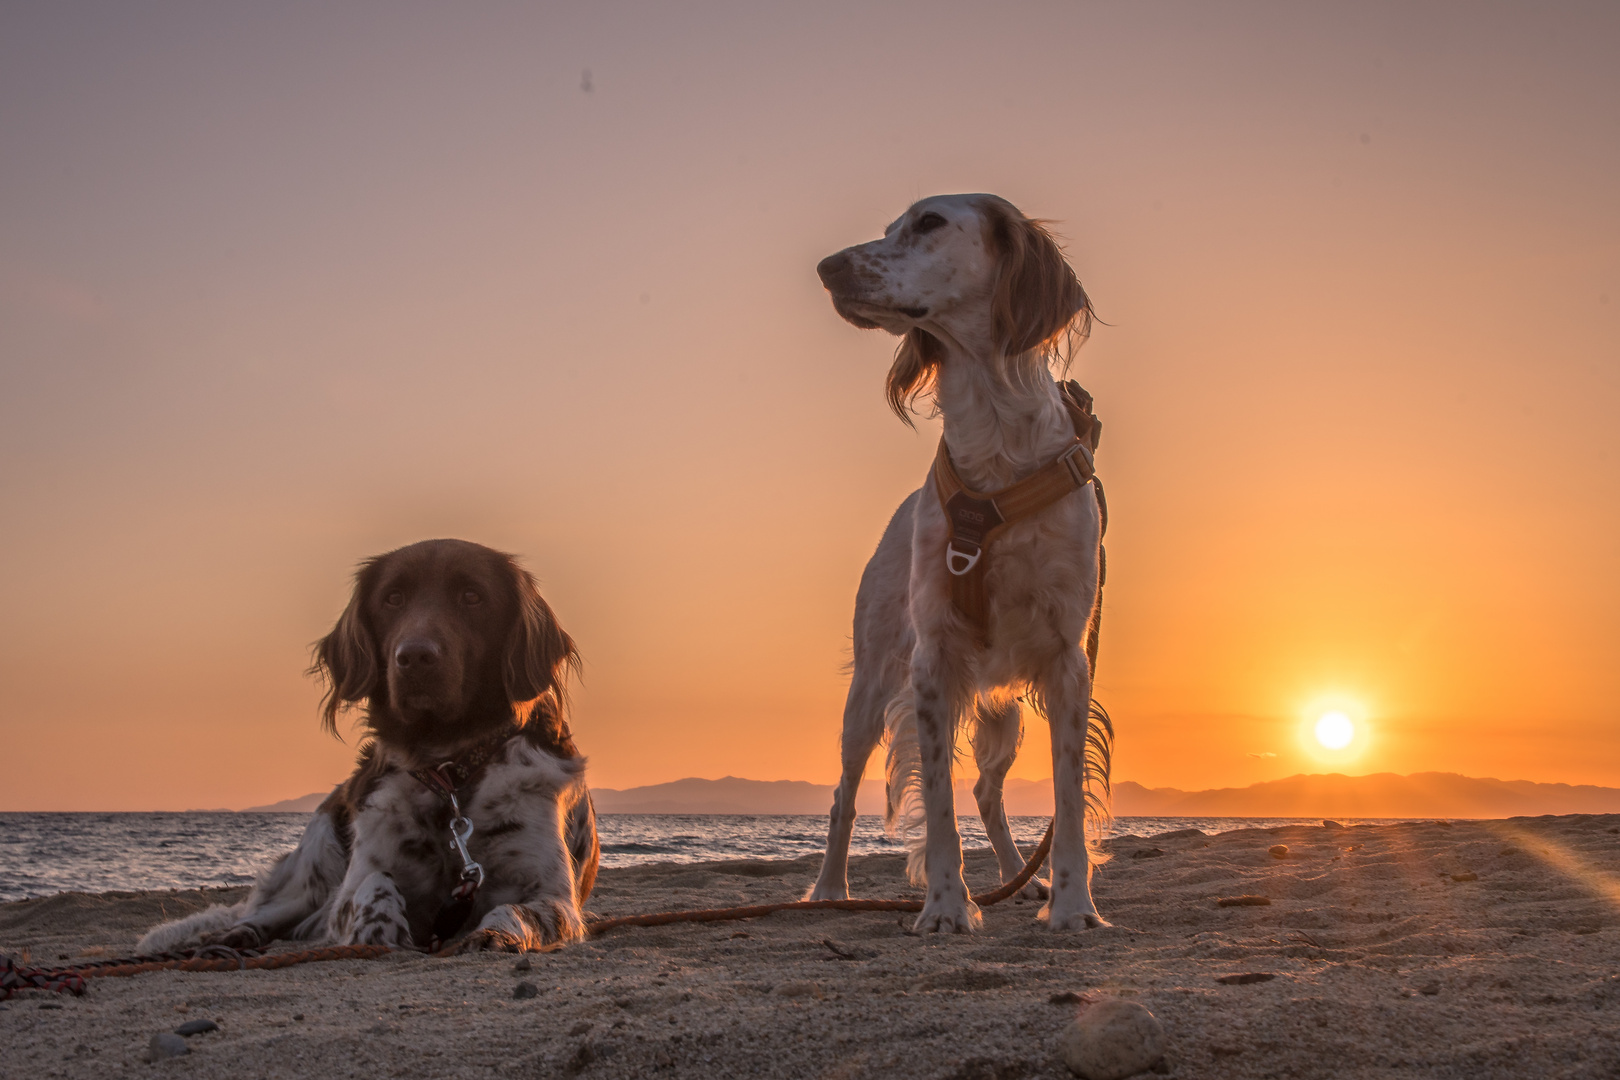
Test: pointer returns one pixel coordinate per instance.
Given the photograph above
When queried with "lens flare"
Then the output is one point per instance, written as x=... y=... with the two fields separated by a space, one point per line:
x=1334 y=730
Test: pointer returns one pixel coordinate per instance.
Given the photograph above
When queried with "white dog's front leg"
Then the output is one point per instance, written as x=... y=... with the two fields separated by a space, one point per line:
x=1067 y=694
x=948 y=908
x=373 y=914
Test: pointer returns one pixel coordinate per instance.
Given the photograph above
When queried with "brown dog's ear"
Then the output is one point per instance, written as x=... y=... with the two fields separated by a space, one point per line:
x=1037 y=297
x=346 y=659
x=539 y=656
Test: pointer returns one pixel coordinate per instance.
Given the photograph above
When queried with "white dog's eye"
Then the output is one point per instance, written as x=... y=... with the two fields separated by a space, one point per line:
x=928 y=222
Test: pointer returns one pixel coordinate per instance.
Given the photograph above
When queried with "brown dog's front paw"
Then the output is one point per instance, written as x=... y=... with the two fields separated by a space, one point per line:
x=241 y=936
x=488 y=941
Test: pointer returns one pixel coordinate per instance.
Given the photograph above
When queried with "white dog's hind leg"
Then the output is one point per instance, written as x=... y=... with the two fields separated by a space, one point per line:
x=882 y=644
x=1066 y=695
x=996 y=737
x=861 y=734
x=948 y=908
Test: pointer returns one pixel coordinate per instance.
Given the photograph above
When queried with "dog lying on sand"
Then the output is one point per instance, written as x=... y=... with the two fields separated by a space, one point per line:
x=467 y=818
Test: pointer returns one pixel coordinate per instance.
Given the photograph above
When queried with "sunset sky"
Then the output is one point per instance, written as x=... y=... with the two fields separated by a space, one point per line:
x=283 y=286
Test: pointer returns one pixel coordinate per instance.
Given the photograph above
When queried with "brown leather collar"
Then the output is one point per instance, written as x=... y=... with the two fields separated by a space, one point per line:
x=976 y=518
x=465 y=768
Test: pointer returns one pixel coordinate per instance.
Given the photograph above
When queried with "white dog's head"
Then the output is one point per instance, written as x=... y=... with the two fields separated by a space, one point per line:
x=970 y=270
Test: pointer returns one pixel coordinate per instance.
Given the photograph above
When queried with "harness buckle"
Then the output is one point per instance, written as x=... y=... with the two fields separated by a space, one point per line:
x=970 y=559
x=1081 y=470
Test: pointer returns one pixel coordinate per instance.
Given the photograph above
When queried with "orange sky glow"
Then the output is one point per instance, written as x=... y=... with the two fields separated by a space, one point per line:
x=282 y=287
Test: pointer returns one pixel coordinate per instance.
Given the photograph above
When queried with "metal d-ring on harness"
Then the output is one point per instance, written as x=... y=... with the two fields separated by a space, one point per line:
x=456 y=909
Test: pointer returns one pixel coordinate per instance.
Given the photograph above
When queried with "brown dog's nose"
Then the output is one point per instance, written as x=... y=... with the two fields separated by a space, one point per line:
x=416 y=654
x=835 y=271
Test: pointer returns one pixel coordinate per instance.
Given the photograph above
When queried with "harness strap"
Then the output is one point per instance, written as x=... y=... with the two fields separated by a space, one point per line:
x=976 y=518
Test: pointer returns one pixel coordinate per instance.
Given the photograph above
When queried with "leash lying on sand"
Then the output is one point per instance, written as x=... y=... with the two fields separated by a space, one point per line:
x=71 y=979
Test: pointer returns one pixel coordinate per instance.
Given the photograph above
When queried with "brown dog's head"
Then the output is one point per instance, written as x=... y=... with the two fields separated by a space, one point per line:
x=967 y=269
x=444 y=641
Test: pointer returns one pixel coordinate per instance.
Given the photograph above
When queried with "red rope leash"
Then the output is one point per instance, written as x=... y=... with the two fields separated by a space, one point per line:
x=754 y=911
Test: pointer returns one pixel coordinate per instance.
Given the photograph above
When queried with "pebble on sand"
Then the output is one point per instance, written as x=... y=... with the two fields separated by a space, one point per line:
x=1112 y=1039
x=166 y=1044
x=1279 y=852
x=525 y=990
x=196 y=1027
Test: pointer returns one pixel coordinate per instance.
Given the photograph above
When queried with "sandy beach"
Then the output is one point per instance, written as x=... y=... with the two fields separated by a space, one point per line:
x=1470 y=949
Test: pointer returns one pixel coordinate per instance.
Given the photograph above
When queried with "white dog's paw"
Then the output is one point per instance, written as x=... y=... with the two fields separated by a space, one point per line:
x=951 y=913
x=828 y=892
x=1085 y=918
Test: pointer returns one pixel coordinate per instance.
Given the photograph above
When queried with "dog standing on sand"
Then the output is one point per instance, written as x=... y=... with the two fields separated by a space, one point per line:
x=467 y=819
x=949 y=625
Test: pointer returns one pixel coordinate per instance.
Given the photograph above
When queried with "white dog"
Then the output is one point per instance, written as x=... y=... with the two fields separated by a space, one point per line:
x=958 y=615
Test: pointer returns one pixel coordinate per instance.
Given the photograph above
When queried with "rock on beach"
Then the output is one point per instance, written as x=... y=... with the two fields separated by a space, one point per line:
x=1112 y=1039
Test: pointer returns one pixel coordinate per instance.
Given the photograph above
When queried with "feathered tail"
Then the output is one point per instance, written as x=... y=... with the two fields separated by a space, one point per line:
x=1097 y=770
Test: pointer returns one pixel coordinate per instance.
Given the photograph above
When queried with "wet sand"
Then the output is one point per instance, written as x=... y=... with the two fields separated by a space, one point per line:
x=1474 y=949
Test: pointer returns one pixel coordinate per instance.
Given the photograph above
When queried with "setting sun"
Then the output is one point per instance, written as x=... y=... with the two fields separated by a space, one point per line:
x=1334 y=730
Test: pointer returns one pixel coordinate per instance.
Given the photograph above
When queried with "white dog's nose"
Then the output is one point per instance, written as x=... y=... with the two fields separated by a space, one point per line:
x=836 y=272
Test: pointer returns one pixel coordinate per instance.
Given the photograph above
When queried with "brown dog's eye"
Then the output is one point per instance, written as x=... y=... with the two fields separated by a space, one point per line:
x=471 y=597
x=394 y=599
x=928 y=222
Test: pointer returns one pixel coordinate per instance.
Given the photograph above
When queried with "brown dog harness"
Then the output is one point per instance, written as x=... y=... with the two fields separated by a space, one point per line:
x=977 y=518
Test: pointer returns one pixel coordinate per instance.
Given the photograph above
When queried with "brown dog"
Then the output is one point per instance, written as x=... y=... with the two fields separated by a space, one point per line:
x=460 y=665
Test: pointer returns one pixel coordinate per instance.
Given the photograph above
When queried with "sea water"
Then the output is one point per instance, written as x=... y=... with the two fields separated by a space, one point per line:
x=41 y=854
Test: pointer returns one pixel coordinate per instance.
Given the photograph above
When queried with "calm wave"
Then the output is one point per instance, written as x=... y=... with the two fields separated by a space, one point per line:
x=41 y=854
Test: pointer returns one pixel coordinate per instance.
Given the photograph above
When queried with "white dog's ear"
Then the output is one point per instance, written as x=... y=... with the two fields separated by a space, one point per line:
x=916 y=363
x=1036 y=297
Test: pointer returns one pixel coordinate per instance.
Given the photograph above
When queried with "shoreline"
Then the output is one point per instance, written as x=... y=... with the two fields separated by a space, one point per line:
x=1477 y=948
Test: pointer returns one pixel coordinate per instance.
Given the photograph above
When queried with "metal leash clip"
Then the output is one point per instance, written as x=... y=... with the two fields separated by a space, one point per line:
x=461 y=830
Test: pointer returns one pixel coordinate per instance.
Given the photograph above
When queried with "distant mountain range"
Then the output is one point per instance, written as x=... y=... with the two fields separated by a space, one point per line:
x=1377 y=795
x=1429 y=794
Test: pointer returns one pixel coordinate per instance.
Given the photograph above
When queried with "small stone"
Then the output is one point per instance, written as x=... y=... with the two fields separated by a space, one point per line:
x=1246 y=978
x=1243 y=901
x=1112 y=1039
x=166 y=1044
x=740 y=934
x=1068 y=997
x=1331 y=824
x=1279 y=852
x=1429 y=989
x=525 y=990
x=299 y=1017
x=51 y=1005
x=523 y=964
x=195 y=1027
x=798 y=989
